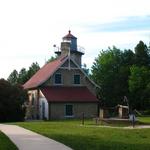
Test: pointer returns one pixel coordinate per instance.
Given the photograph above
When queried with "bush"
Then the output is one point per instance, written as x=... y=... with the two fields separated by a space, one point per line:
x=12 y=98
x=146 y=112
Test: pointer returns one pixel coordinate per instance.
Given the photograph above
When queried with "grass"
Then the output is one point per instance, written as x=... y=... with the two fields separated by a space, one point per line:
x=5 y=143
x=79 y=137
x=145 y=120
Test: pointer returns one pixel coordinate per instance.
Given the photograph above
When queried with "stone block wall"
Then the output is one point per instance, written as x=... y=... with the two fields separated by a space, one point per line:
x=57 y=110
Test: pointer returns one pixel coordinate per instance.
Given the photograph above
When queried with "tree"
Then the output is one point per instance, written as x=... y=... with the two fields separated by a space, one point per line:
x=32 y=70
x=139 y=86
x=51 y=59
x=106 y=72
x=12 y=98
x=124 y=73
x=111 y=71
x=13 y=77
x=124 y=70
x=142 y=57
x=85 y=69
x=23 y=75
x=128 y=58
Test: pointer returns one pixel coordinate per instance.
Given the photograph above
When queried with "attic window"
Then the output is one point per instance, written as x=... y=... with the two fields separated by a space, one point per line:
x=76 y=79
x=58 y=78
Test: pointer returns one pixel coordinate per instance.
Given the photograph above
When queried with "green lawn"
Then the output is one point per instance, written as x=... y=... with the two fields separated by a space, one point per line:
x=144 y=119
x=5 y=143
x=85 y=137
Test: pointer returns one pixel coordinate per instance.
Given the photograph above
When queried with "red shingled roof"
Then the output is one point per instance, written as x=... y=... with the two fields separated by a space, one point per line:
x=68 y=94
x=44 y=73
x=69 y=35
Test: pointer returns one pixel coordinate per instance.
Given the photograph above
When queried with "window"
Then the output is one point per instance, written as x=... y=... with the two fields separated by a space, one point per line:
x=69 y=110
x=58 y=78
x=76 y=79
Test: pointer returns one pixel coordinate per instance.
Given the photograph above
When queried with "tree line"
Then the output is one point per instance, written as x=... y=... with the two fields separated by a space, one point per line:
x=122 y=73
x=23 y=75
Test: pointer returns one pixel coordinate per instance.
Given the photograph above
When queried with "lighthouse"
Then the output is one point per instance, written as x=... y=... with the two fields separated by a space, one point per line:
x=69 y=47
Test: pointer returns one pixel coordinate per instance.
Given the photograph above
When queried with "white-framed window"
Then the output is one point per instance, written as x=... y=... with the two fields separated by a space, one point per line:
x=76 y=79
x=58 y=78
x=68 y=110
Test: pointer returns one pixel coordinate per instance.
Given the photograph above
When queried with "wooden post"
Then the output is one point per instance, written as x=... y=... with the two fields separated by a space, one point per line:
x=83 y=118
x=101 y=115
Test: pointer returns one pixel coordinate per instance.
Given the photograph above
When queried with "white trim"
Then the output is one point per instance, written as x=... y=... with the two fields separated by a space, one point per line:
x=71 y=68
x=69 y=58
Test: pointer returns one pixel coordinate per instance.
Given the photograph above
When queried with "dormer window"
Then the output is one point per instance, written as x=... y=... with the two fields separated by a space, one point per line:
x=76 y=79
x=58 y=78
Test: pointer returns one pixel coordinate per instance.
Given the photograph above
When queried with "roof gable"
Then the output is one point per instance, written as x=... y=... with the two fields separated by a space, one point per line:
x=49 y=69
x=85 y=74
x=44 y=73
x=66 y=64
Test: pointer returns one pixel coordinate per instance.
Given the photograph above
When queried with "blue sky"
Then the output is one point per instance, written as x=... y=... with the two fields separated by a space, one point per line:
x=124 y=24
x=29 y=29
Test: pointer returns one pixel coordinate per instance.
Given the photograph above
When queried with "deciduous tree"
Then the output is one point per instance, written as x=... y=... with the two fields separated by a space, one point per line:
x=12 y=98
x=139 y=86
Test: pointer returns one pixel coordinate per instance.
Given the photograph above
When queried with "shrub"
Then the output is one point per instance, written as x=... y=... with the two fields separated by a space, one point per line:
x=12 y=98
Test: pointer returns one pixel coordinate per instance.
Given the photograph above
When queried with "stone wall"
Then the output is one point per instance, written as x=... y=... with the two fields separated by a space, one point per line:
x=67 y=79
x=57 y=110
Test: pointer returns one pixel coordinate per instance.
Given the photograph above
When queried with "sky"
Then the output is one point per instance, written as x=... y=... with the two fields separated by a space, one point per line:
x=30 y=28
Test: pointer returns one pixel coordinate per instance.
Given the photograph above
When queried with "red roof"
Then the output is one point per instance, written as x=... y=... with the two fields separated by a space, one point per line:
x=68 y=94
x=69 y=35
x=44 y=73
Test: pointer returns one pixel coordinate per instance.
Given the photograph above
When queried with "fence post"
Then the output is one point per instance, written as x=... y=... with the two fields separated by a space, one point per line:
x=83 y=118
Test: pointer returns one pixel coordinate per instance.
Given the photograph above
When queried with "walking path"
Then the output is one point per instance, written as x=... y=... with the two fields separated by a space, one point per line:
x=138 y=127
x=128 y=127
x=27 y=140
